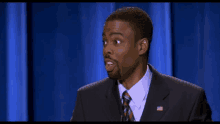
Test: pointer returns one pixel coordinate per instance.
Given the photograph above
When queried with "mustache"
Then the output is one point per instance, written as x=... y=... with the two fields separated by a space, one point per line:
x=108 y=57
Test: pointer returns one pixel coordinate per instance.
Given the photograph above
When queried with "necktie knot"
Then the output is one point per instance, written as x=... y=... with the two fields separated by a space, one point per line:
x=126 y=97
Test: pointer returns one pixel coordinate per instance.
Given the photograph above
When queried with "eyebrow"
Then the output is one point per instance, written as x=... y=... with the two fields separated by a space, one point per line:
x=103 y=34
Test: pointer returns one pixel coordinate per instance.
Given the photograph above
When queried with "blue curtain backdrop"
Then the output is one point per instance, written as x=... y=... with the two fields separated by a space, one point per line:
x=49 y=50
x=3 y=68
x=13 y=62
x=16 y=62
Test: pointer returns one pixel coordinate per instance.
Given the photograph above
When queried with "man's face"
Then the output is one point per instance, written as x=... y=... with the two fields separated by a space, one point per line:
x=119 y=41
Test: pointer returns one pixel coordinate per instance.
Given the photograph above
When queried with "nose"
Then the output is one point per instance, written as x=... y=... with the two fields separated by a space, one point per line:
x=108 y=49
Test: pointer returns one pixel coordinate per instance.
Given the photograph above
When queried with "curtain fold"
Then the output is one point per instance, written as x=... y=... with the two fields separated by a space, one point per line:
x=3 y=62
x=92 y=23
x=161 y=48
x=16 y=62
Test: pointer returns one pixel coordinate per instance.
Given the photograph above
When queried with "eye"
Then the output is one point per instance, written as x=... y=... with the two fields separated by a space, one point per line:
x=118 y=41
x=104 y=42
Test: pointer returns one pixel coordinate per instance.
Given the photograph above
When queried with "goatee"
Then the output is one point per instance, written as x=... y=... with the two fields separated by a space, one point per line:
x=114 y=76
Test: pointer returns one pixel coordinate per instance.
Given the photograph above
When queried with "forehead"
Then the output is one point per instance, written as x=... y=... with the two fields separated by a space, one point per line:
x=118 y=25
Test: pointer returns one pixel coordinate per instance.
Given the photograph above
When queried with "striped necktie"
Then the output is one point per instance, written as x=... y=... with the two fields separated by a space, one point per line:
x=128 y=114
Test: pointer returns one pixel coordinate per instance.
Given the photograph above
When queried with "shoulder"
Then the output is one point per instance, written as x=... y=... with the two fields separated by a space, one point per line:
x=174 y=83
x=181 y=85
x=95 y=85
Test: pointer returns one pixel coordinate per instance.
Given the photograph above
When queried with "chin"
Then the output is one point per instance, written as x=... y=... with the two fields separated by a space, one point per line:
x=115 y=76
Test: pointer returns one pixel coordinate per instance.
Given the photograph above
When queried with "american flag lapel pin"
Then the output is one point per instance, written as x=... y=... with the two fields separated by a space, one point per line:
x=159 y=108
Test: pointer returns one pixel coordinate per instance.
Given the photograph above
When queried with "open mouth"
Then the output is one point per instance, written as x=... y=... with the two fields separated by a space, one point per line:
x=109 y=66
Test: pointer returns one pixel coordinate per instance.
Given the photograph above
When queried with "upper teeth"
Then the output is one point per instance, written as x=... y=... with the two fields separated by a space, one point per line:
x=109 y=63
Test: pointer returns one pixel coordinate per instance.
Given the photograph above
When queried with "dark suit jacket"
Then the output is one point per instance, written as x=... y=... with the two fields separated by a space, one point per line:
x=181 y=101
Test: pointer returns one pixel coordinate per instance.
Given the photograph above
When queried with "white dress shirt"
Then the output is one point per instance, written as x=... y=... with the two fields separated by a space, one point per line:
x=138 y=93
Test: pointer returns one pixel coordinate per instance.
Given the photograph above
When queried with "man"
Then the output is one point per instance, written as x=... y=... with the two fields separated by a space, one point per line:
x=134 y=89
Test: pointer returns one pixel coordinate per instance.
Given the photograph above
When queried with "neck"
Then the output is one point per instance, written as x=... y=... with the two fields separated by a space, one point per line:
x=136 y=75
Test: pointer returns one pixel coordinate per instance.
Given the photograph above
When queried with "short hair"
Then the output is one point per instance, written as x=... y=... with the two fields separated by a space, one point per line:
x=138 y=19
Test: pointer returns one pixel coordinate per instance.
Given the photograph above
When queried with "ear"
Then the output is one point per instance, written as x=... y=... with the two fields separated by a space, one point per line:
x=143 y=46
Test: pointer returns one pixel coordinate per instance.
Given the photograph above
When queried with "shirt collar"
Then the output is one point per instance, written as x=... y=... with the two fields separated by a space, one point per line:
x=139 y=91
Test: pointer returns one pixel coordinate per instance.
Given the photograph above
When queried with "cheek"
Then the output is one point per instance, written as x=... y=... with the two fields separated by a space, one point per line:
x=129 y=58
x=120 y=50
x=126 y=57
x=128 y=61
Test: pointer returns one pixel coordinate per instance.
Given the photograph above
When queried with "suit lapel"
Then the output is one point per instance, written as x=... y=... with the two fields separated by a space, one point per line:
x=112 y=101
x=157 y=96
